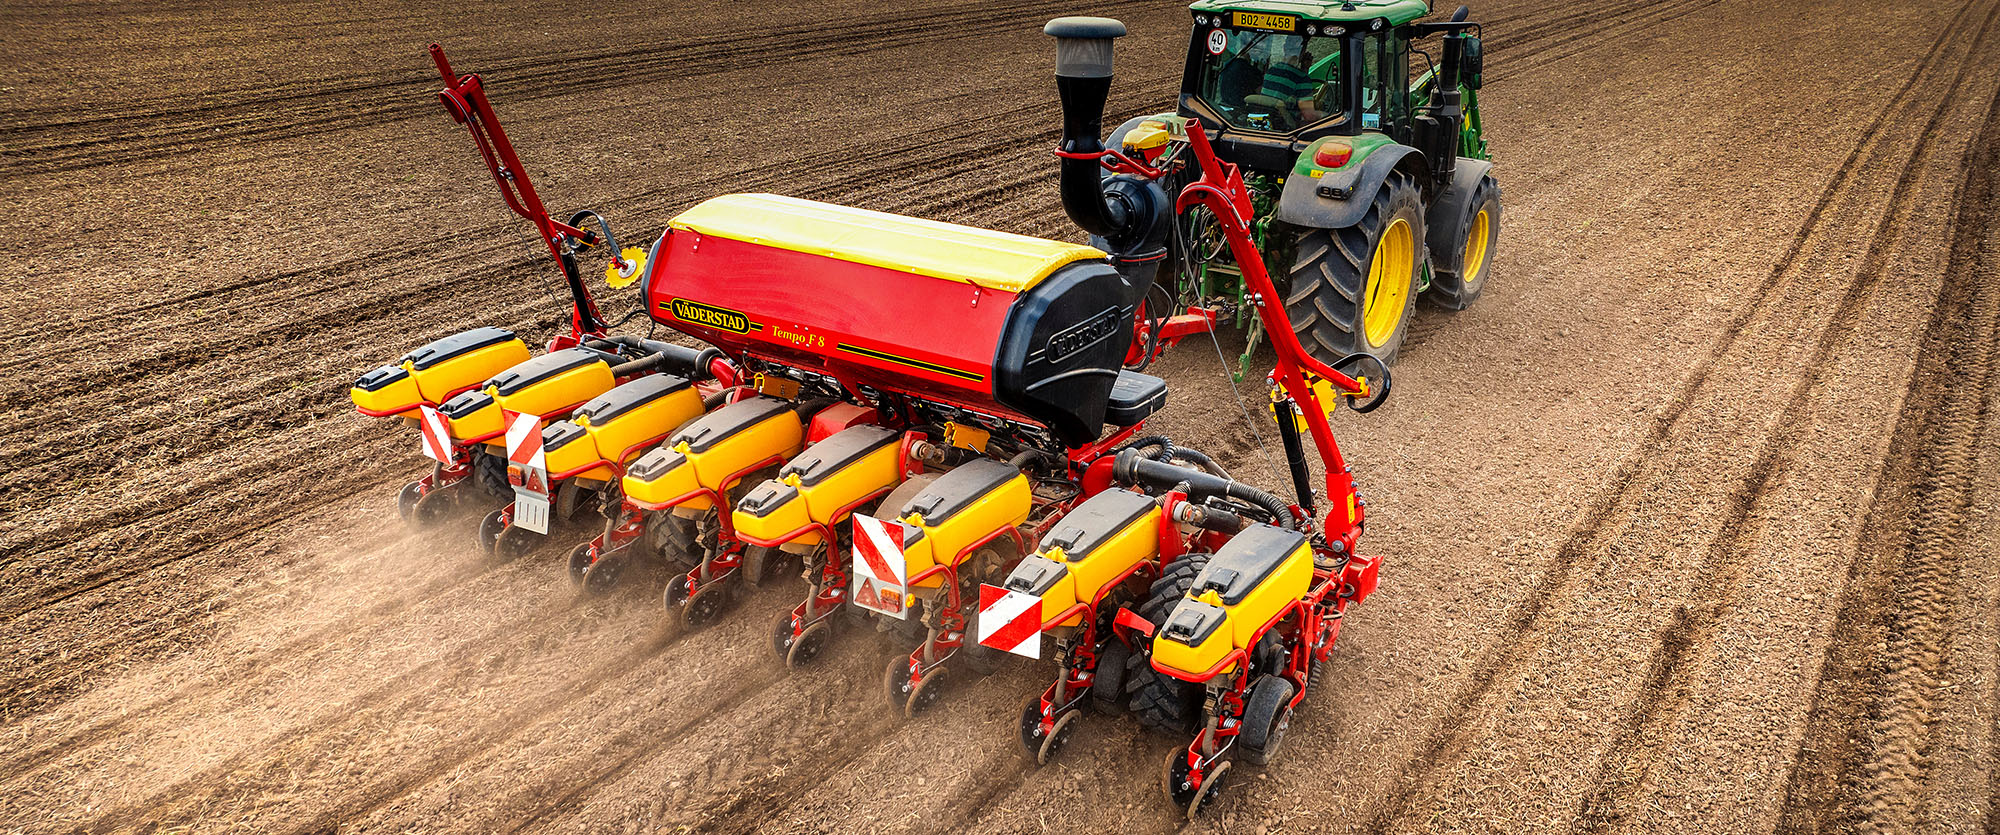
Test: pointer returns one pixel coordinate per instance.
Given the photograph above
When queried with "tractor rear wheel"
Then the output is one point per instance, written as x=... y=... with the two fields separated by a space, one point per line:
x=1353 y=289
x=1471 y=256
x=1161 y=702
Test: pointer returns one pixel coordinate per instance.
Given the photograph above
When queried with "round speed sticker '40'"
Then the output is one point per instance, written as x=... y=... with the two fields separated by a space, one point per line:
x=1218 y=40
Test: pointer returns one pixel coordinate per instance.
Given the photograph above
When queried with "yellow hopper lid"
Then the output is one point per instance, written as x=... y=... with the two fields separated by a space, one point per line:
x=966 y=254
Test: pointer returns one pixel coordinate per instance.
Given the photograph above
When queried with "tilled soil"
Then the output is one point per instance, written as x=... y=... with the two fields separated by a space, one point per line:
x=1688 y=523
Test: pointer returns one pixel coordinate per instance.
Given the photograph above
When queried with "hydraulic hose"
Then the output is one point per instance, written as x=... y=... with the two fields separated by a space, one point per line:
x=1026 y=458
x=692 y=363
x=1166 y=446
x=1131 y=468
x=1168 y=452
x=1200 y=458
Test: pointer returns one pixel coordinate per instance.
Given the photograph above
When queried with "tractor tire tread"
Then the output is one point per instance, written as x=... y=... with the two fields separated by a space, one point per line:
x=1447 y=287
x=1329 y=275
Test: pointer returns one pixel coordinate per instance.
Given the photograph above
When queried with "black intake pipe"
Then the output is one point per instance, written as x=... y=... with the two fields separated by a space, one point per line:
x=1131 y=214
x=1083 y=79
x=679 y=360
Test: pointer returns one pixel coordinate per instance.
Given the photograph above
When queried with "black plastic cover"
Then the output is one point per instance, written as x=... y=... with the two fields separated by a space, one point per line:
x=380 y=378
x=542 y=368
x=559 y=434
x=1095 y=521
x=1134 y=398
x=465 y=403
x=837 y=452
x=1248 y=559
x=1035 y=575
x=959 y=489
x=1192 y=622
x=632 y=395
x=713 y=428
x=656 y=463
x=457 y=344
x=766 y=497
x=1062 y=348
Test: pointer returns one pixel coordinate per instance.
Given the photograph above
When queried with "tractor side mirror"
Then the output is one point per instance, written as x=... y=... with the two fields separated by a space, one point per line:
x=1472 y=62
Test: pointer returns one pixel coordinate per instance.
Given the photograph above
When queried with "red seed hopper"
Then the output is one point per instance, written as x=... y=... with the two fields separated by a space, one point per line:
x=1010 y=326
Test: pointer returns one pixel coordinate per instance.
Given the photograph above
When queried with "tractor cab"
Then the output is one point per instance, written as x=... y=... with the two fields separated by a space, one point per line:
x=1271 y=82
x=1355 y=127
x=1269 y=77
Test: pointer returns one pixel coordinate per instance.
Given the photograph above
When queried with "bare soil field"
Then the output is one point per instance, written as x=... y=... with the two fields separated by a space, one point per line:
x=1689 y=524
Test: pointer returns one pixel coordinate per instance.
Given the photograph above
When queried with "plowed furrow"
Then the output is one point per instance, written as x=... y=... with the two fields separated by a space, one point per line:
x=1520 y=629
x=1672 y=676
x=315 y=114
x=473 y=682
x=1864 y=758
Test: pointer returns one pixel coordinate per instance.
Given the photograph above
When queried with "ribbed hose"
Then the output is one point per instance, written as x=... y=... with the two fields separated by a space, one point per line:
x=1168 y=452
x=1201 y=458
x=1165 y=444
x=1280 y=510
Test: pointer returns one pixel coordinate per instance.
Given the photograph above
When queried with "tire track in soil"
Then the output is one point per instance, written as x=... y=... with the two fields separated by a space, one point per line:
x=639 y=741
x=250 y=671
x=1670 y=677
x=574 y=66
x=752 y=776
x=1590 y=38
x=1512 y=645
x=739 y=693
x=1861 y=762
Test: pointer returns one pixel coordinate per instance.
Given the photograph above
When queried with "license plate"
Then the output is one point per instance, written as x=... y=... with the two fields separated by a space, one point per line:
x=1272 y=22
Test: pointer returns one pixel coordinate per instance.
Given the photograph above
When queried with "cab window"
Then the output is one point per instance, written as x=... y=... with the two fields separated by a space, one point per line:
x=1270 y=81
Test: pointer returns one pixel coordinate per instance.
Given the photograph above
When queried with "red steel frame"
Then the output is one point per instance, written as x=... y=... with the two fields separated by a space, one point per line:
x=1220 y=188
x=465 y=98
x=943 y=641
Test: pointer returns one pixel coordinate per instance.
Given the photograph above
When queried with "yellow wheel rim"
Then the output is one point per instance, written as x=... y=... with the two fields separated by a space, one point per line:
x=1475 y=249
x=1388 y=290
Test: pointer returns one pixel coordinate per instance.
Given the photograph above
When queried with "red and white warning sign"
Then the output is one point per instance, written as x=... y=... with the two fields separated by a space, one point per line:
x=437 y=438
x=880 y=570
x=1010 y=621
x=528 y=471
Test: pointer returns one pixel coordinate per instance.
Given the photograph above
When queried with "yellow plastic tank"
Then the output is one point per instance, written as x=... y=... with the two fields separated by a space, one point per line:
x=1260 y=572
x=818 y=485
x=549 y=385
x=714 y=452
x=1092 y=545
x=960 y=508
x=435 y=372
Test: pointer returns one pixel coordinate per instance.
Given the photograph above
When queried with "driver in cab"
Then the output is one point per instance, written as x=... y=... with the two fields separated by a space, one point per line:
x=1287 y=85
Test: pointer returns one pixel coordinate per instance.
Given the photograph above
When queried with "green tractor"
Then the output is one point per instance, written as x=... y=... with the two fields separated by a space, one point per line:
x=1369 y=187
